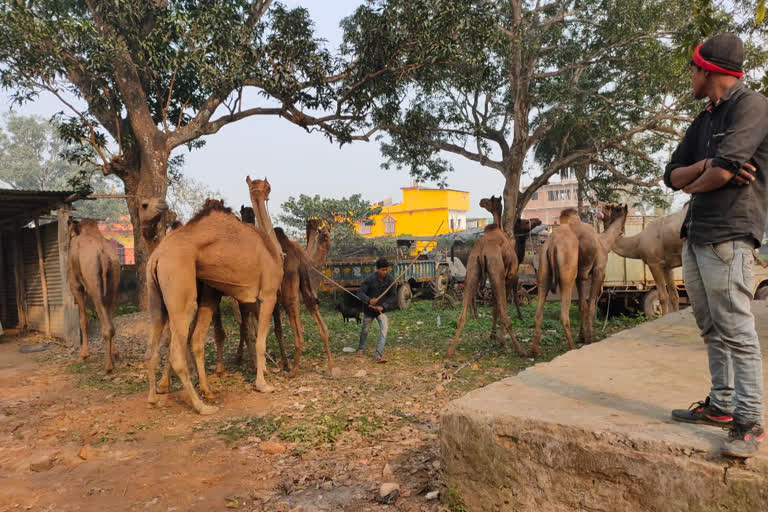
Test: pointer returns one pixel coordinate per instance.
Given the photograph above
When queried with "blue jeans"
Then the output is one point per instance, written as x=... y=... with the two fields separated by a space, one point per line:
x=719 y=282
x=383 y=328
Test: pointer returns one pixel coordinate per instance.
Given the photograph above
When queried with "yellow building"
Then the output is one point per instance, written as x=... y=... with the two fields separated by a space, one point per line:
x=419 y=214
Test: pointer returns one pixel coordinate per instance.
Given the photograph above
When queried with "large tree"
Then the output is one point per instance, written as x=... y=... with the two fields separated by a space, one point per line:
x=542 y=87
x=139 y=78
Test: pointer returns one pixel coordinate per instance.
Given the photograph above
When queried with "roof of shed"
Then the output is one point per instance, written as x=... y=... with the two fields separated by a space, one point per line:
x=19 y=207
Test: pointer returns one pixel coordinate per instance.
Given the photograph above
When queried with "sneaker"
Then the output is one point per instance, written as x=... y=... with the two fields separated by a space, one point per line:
x=379 y=360
x=743 y=440
x=703 y=413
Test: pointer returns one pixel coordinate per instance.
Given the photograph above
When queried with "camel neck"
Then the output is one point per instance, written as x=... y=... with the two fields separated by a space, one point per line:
x=312 y=248
x=627 y=246
x=613 y=232
x=320 y=255
x=264 y=223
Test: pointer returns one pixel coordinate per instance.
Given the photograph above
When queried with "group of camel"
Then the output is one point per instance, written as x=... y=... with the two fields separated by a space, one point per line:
x=216 y=254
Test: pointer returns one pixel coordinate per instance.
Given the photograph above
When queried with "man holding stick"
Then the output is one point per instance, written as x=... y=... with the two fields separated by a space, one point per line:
x=370 y=294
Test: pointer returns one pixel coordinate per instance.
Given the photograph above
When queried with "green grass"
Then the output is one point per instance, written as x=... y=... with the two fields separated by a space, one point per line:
x=234 y=430
x=90 y=374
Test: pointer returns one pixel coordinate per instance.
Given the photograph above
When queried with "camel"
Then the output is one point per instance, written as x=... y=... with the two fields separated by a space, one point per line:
x=93 y=268
x=492 y=256
x=575 y=254
x=296 y=285
x=231 y=258
x=660 y=247
x=521 y=230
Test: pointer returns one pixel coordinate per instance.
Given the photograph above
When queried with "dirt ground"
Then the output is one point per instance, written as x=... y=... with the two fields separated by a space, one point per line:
x=72 y=438
x=169 y=458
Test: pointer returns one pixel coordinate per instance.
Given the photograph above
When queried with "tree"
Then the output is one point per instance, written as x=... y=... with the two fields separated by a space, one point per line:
x=140 y=78
x=186 y=195
x=31 y=158
x=542 y=88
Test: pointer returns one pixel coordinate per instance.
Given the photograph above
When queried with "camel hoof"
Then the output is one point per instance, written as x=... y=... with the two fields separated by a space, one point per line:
x=109 y=369
x=82 y=358
x=534 y=354
x=209 y=395
x=265 y=388
x=220 y=371
x=207 y=410
x=335 y=372
x=163 y=389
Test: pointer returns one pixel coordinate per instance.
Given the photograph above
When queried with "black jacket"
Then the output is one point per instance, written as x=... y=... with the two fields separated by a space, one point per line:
x=372 y=287
x=731 y=133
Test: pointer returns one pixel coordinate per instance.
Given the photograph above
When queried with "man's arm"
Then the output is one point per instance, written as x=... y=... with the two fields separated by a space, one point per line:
x=744 y=135
x=364 y=290
x=390 y=295
x=681 y=169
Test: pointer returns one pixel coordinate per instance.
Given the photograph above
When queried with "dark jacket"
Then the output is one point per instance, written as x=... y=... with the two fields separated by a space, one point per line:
x=731 y=133
x=372 y=287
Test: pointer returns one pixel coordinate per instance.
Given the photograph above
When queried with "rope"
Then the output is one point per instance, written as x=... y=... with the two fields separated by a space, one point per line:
x=334 y=282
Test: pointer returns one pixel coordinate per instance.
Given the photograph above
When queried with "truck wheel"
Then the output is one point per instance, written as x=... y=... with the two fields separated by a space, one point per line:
x=404 y=296
x=439 y=285
x=762 y=293
x=651 y=304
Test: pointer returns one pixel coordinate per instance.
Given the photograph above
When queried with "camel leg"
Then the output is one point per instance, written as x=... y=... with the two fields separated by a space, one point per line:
x=164 y=384
x=107 y=333
x=278 y=321
x=79 y=293
x=581 y=288
x=543 y=285
x=473 y=308
x=515 y=286
x=158 y=319
x=674 y=298
x=244 y=319
x=661 y=288
x=471 y=282
x=292 y=310
x=265 y=311
x=499 y=289
x=323 y=329
x=219 y=335
x=598 y=276
x=209 y=302
x=246 y=336
x=566 y=292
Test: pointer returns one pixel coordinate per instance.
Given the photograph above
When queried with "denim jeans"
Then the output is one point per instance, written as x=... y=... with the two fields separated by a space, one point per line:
x=719 y=282
x=383 y=328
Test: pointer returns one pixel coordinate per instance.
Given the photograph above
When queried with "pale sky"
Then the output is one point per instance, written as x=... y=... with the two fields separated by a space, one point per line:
x=294 y=161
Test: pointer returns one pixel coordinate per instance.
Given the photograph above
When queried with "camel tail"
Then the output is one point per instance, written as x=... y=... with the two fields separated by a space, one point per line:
x=554 y=281
x=104 y=264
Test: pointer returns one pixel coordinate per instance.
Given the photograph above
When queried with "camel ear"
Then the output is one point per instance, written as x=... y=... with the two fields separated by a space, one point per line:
x=248 y=180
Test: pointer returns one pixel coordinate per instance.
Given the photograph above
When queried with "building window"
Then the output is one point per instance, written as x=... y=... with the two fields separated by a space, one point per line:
x=551 y=195
x=451 y=224
x=389 y=226
x=535 y=196
x=364 y=228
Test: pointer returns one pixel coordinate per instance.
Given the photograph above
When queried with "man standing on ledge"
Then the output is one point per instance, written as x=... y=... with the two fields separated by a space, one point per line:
x=371 y=288
x=722 y=162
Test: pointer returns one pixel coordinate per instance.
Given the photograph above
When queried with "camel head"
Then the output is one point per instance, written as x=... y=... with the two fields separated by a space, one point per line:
x=325 y=234
x=524 y=226
x=314 y=224
x=259 y=189
x=150 y=212
x=73 y=228
x=567 y=215
x=247 y=215
x=492 y=204
x=613 y=212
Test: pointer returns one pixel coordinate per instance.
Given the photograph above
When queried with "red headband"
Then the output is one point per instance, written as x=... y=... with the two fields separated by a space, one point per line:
x=709 y=66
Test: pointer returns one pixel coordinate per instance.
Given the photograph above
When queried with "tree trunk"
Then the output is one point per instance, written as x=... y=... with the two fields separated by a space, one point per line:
x=151 y=181
x=511 y=195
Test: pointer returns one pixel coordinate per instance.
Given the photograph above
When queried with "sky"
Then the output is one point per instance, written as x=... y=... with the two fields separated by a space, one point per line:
x=296 y=162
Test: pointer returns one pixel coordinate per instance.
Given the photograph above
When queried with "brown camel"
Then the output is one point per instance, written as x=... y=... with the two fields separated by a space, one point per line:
x=318 y=246
x=660 y=247
x=492 y=256
x=575 y=254
x=296 y=286
x=232 y=259
x=154 y=218
x=93 y=268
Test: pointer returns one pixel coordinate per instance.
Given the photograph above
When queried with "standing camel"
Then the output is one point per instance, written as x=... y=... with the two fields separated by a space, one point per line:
x=660 y=247
x=492 y=256
x=232 y=259
x=576 y=255
x=296 y=287
x=93 y=268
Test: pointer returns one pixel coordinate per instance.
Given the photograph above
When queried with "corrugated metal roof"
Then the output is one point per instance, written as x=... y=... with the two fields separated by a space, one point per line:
x=19 y=207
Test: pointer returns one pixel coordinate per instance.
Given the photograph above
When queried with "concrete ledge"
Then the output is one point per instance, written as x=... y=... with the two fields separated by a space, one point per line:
x=591 y=430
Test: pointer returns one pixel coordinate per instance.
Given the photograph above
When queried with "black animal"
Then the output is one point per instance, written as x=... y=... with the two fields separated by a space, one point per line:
x=350 y=308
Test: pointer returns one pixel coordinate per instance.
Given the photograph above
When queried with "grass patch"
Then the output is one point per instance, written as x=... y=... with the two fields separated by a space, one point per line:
x=260 y=426
x=90 y=374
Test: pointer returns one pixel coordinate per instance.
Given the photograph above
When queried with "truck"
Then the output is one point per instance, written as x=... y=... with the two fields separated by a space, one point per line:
x=425 y=277
x=628 y=283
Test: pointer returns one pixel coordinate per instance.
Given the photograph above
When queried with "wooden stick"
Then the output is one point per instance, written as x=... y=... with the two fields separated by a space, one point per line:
x=412 y=262
x=42 y=277
x=335 y=283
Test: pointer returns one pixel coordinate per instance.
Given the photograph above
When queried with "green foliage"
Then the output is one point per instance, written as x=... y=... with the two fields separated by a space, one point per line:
x=260 y=426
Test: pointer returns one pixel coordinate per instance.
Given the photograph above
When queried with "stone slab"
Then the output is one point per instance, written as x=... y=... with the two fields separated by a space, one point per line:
x=591 y=430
